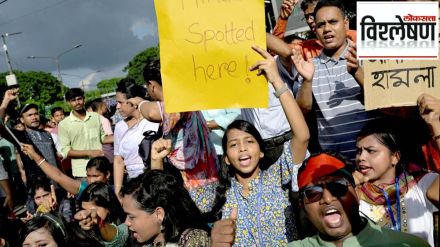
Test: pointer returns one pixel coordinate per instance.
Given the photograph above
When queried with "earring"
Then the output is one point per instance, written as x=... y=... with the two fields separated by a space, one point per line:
x=162 y=228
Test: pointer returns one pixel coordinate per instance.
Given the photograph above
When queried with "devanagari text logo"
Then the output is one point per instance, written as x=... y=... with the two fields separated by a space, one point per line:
x=397 y=30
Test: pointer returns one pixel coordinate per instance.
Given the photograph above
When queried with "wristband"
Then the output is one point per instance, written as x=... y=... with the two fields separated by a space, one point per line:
x=281 y=90
x=140 y=104
x=41 y=162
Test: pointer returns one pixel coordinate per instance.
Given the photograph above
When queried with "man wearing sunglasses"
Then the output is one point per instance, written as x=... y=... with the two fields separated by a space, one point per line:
x=329 y=200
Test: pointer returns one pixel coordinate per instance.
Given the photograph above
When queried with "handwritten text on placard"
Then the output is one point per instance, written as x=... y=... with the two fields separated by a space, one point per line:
x=205 y=49
x=399 y=82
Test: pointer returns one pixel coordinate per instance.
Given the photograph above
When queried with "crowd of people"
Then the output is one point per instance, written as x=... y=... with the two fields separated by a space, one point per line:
x=313 y=169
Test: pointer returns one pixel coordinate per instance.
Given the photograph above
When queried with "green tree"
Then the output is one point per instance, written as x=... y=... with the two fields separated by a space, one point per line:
x=37 y=87
x=92 y=94
x=61 y=103
x=136 y=66
x=108 y=86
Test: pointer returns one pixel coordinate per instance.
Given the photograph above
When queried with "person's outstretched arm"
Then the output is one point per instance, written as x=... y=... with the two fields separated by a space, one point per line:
x=10 y=95
x=429 y=108
x=149 y=110
x=69 y=184
x=118 y=173
x=301 y=135
x=286 y=10
x=306 y=69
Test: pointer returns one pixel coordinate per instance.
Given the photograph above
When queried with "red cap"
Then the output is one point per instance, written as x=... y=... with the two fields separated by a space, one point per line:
x=319 y=166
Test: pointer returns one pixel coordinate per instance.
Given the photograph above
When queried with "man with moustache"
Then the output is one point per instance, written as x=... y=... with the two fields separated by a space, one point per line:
x=331 y=93
x=329 y=200
x=40 y=139
x=311 y=44
x=333 y=87
x=81 y=133
x=330 y=203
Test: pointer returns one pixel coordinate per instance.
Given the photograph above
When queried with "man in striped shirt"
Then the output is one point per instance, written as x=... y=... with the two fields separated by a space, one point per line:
x=336 y=93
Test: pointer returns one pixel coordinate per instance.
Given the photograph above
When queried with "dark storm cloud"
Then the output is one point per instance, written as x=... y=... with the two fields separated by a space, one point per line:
x=111 y=32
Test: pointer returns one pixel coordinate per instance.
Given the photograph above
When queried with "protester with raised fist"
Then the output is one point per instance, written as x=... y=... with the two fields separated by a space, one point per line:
x=193 y=153
x=41 y=140
x=159 y=212
x=429 y=108
x=101 y=214
x=265 y=216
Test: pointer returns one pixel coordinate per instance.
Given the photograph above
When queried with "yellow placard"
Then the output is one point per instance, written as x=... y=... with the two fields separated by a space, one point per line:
x=399 y=82
x=205 y=52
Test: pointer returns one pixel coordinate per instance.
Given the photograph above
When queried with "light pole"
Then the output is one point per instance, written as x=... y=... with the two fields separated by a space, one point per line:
x=11 y=79
x=56 y=59
x=86 y=77
x=5 y=48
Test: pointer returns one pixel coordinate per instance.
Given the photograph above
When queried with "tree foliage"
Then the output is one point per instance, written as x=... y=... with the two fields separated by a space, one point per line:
x=37 y=87
x=107 y=86
x=103 y=87
x=136 y=66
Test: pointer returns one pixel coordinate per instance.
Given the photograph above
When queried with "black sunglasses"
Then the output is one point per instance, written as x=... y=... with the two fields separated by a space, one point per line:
x=337 y=188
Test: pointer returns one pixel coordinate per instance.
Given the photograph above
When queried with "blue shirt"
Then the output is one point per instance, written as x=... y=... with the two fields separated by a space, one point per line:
x=265 y=215
x=340 y=111
x=223 y=117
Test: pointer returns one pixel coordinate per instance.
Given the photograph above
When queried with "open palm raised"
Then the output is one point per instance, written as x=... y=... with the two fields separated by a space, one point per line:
x=304 y=67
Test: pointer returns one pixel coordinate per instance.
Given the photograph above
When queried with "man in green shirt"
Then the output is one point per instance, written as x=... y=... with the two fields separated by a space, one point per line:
x=81 y=133
x=329 y=200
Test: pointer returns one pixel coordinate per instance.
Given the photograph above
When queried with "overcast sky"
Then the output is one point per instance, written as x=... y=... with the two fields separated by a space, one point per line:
x=111 y=33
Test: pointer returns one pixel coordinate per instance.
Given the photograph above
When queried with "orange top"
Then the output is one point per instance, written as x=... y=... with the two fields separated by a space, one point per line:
x=312 y=45
x=280 y=28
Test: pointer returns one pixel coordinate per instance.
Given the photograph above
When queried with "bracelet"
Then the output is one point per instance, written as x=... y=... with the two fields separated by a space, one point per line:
x=41 y=162
x=140 y=104
x=435 y=138
x=281 y=90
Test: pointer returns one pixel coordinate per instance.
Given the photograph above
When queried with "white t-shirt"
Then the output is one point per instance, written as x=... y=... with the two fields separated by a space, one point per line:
x=418 y=209
x=271 y=121
x=126 y=144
